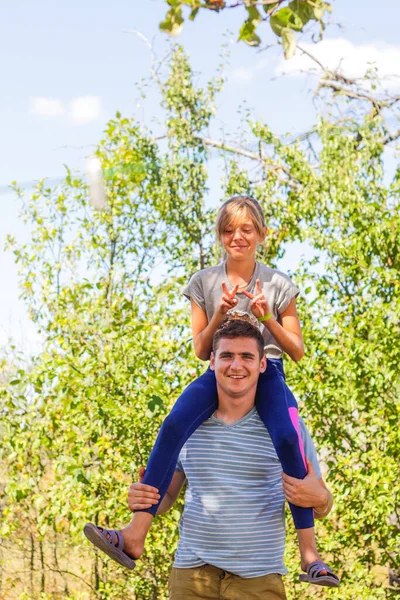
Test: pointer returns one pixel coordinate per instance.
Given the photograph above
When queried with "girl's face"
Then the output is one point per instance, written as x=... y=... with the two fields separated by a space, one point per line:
x=240 y=241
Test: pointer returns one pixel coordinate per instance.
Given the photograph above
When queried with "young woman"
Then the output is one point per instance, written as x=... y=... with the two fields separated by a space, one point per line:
x=252 y=287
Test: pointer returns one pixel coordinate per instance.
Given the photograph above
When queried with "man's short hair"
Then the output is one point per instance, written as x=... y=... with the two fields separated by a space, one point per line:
x=238 y=324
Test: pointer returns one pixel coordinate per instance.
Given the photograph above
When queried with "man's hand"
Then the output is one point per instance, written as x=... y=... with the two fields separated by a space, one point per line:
x=309 y=492
x=142 y=496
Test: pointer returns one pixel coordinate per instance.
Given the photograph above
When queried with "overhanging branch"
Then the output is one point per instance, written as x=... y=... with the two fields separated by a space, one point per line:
x=252 y=156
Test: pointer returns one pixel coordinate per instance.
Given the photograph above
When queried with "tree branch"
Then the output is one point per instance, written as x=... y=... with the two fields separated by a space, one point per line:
x=358 y=95
x=332 y=79
x=154 y=61
x=252 y=156
x=391 y=137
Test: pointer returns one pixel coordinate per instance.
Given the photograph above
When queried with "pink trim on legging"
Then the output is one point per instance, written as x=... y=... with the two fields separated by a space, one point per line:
x=294 y=417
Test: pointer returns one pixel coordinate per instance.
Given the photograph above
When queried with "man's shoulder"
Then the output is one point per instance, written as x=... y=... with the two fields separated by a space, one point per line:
x=303 y=427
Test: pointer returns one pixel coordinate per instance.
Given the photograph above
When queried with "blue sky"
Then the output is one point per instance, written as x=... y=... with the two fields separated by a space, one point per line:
x=66 y=67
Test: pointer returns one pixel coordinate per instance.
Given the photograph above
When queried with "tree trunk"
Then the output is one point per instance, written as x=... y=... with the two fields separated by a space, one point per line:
x=57 y=566
x=96 y=571
x=394 y=580
x=43 y=575
x=32 y=564
x=1 y=569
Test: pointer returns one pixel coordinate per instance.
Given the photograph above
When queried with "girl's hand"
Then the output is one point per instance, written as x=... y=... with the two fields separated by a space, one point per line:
x=259 y=305
x=228 y=299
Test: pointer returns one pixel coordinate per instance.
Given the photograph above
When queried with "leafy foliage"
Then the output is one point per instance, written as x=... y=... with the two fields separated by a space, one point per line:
x=78 y=421
x=285 y=18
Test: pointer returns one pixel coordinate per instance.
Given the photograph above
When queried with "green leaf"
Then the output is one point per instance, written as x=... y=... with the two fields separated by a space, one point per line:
x=279 y=20
x=20 y=495
x=247 y=31
x=173 y=23
x=254 y=15
x=268 y=8
x=285 y=17
x=251 y=39
x=289 y=42
x=319 y=10
x=303 y=10
x=155 y=403
x=82 y=478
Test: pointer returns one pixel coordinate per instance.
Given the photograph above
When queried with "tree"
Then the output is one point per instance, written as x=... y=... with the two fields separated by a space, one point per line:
x=82 y=418
x=285 y=18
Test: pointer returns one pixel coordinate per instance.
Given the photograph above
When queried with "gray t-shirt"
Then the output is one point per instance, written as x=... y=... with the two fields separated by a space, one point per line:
x=205 y=289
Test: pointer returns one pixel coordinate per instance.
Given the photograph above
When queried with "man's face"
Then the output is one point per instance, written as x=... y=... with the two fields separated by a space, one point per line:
x=237 y=365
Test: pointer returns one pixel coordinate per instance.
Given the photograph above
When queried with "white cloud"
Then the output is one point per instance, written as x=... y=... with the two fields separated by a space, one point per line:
x=80 y=110
x=85 y=109
x=351 y=59
x=243 y=75
x=46 y=107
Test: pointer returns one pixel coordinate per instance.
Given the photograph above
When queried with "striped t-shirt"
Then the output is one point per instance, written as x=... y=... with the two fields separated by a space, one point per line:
x=234 y=504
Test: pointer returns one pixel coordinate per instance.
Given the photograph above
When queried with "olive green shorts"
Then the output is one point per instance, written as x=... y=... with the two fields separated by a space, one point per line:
x=210 y=583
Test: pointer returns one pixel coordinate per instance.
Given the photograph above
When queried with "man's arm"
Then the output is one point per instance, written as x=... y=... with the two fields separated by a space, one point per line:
x=141 y=496
x=322 y=510
x=172 y=493
x=308 y=492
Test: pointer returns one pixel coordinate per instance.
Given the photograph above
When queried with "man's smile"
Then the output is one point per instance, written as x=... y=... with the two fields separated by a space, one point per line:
x=237 y=365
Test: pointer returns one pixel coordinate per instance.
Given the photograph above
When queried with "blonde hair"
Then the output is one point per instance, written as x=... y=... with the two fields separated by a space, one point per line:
x=240 y=315
x=236 y=210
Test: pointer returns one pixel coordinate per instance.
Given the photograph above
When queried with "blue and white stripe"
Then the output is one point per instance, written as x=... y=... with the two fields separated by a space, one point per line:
x=234 y=503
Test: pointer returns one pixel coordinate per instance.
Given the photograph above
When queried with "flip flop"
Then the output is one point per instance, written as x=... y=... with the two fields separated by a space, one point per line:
x=329 y=580
x=105 y=540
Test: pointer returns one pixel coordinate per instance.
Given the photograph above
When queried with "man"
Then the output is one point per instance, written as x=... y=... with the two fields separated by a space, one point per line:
x=232 y=532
